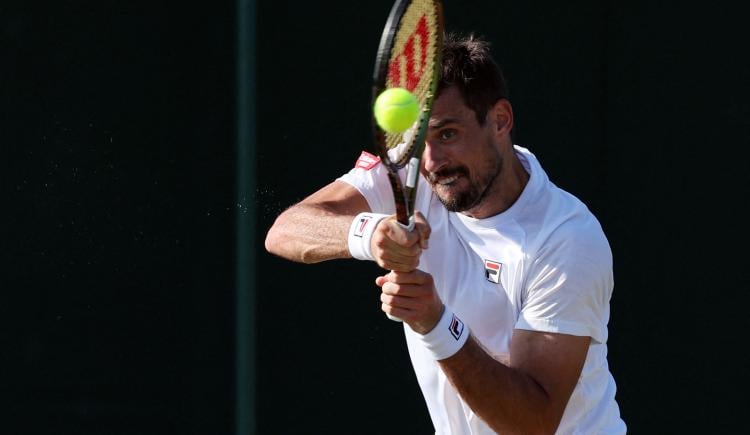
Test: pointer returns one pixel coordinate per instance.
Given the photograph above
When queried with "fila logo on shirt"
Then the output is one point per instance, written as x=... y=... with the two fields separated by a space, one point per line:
x=492 y=271
x=363 y=221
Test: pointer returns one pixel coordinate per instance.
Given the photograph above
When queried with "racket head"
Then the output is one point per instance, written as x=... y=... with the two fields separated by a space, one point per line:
x=409 y=57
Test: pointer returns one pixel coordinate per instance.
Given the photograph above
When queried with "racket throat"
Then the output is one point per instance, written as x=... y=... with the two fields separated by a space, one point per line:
x=401 y=195
x=412 y=170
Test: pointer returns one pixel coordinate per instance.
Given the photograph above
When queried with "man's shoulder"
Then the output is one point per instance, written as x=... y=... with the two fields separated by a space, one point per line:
x=565 y=222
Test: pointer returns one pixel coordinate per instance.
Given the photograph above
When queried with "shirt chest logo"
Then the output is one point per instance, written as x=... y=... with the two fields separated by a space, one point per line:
x=492 y=271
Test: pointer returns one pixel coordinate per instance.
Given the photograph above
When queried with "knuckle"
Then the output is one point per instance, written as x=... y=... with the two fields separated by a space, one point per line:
x=386 y=308
x=402 y=267
x=389 y=227
x=378 y=240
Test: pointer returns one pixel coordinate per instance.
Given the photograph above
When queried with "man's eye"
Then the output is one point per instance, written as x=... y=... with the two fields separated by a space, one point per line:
x=447 y=134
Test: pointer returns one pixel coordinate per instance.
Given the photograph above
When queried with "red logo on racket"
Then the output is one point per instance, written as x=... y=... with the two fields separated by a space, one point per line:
x=413 y=72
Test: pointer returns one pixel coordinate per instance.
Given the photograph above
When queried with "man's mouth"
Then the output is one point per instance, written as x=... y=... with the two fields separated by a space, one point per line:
x=447 y=181
x=446 y=178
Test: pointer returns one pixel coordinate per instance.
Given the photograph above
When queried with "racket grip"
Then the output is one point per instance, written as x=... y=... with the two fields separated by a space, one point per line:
x=409 y=227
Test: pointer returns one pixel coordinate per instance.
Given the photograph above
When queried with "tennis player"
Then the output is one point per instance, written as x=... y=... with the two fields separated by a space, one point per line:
x=504 y=284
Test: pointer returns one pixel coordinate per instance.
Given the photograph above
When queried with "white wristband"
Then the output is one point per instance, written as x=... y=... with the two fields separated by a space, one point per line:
x=360 y=234
x=447 y=337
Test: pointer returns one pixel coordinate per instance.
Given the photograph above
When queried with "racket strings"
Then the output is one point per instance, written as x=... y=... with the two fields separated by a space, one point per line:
x=410 y=66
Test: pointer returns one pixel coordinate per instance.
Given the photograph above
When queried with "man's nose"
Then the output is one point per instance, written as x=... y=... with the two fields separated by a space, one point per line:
x=433 y=158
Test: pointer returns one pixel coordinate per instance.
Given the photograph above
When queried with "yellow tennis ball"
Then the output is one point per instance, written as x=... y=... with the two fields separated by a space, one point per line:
x=396 y=109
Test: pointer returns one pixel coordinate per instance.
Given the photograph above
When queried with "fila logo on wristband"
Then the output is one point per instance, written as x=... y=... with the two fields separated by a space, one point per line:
x=360 y=234
x=362 y=225
x=456 y=327
x=447 y=337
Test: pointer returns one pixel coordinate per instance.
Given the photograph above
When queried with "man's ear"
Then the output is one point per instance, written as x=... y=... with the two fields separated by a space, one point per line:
x=502 y=115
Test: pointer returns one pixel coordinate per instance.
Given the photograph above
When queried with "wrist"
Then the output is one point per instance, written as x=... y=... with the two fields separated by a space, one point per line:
x=360 y=234
x=447 y=337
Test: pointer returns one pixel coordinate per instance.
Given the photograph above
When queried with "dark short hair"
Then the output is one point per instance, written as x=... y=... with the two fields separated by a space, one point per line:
x=468 y=65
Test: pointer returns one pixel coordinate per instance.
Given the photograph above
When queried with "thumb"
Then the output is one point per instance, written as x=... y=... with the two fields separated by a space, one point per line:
x=399 y=234
x=379 y=281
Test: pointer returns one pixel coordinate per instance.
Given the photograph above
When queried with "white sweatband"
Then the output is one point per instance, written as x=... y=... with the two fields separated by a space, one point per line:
x=447 y=337
x=360 y=234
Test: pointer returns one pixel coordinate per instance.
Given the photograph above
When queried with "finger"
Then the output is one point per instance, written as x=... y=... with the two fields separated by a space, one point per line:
x=379 y=281
x=400 y=313
x=399 y=234
x=398 y=263
x=390 y=288
x=401 y=267
x=406 y=303
x=405 y=290
x=382 y=242
x=422 y=227
x=398 y=251
x=416 y=277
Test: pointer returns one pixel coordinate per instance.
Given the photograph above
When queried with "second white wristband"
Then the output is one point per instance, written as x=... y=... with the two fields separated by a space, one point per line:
x=447 y=337
x=360 y=234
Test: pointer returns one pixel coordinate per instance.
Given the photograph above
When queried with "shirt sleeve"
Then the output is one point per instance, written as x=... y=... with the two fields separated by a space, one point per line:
x=374 y=186
x=569 y=285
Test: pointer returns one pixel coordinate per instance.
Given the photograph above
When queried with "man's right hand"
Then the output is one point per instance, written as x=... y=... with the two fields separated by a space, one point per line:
x=396 y=248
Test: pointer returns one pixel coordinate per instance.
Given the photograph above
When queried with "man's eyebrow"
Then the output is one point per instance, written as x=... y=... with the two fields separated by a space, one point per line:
x=441 y=122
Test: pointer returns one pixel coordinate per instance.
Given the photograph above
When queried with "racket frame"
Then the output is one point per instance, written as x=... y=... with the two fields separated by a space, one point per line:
x=404 y=194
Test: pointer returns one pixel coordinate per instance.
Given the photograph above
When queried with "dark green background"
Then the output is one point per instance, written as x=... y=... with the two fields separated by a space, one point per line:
x=117 y=132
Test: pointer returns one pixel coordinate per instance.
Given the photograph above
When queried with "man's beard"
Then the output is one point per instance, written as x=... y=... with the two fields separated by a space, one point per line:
x=477 y=190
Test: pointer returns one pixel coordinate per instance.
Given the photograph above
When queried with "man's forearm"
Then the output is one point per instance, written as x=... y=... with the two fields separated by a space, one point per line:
x=507 y=400
x=309 y=233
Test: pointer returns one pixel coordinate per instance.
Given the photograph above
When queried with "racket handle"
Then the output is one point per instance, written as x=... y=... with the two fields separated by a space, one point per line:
x=409 y=227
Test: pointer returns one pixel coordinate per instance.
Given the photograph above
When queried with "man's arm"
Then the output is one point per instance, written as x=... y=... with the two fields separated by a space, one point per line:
x=317 y=228
x=526 y=395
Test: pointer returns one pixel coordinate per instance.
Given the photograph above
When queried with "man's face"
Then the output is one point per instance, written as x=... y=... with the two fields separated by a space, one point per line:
x=461 y=158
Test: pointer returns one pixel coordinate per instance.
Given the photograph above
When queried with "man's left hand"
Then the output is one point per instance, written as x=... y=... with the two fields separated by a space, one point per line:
x=411 y=296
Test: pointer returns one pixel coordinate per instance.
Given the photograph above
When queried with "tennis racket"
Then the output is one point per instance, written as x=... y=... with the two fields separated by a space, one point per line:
x=409 y=57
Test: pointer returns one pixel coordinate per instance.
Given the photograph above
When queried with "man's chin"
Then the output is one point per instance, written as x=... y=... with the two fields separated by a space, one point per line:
x=453 y=198
x=445 y=193
x=454 y=203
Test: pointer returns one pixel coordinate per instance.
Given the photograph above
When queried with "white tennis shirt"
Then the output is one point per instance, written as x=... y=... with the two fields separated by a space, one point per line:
x=544 y=264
